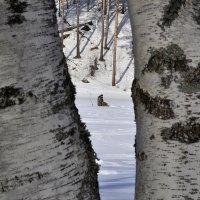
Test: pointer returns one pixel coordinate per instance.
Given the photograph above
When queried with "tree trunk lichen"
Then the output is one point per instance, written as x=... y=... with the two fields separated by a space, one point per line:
x=171 y=58
x=185 y=132
x=171 y=12
x=10 y=96
x=17 y=8
x=167 y=61
x=156 y=106
x=196 y=13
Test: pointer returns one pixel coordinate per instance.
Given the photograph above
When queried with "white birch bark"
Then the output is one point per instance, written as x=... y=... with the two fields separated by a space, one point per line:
x=166 y=94
x=45 y=152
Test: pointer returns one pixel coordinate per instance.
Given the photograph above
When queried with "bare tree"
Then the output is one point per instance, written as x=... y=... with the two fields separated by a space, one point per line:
x=166 y=95
x=78 y=55
x=107 y=23
x=45 y=149
x=102 y=29
x=115 y=43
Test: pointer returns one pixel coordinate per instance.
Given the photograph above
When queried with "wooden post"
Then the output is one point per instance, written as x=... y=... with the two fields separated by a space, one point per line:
x=107 y=24
x=78 y=38
x=102 y=31
x=115 y=44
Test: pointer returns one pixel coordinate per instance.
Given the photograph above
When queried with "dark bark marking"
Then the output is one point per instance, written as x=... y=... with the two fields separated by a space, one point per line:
x=196 y=16
x=16 y=19
x=173 y=59
x=157 y=106
x=10 y=96
x=152 y=137
x=196 y=9
x=166 y=81
x=50 y=5
x=171 y=12
x=141 y=156
x=32 y=96
x=65 y=86
x=58 y=107
x=188 y=198
x=191 y=82
x=185 y=132
x=194 y=191
x=18 y=181
x=61 y=133
x=52 y=20
x=194 y=75
x=17 y=8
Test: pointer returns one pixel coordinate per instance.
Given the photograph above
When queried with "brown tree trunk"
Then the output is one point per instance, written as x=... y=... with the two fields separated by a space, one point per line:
x=115 y=43
x=107 y=24
x=78 y=55
x=102 y=30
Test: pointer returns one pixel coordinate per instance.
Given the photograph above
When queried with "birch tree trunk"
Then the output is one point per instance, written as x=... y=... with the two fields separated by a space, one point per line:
x=115 y=43
x=45 y=150
x=166 y=94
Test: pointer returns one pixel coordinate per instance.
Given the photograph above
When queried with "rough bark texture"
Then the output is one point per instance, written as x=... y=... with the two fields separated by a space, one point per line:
x=45 y=149
x=166 y=94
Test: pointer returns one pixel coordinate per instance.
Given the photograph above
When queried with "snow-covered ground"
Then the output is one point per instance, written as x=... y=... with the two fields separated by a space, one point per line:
x=112 y=132
x=112 y=128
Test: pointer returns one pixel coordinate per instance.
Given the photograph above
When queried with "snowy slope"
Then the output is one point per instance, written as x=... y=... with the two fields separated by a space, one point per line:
x=112 y=128
x=90 y=47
